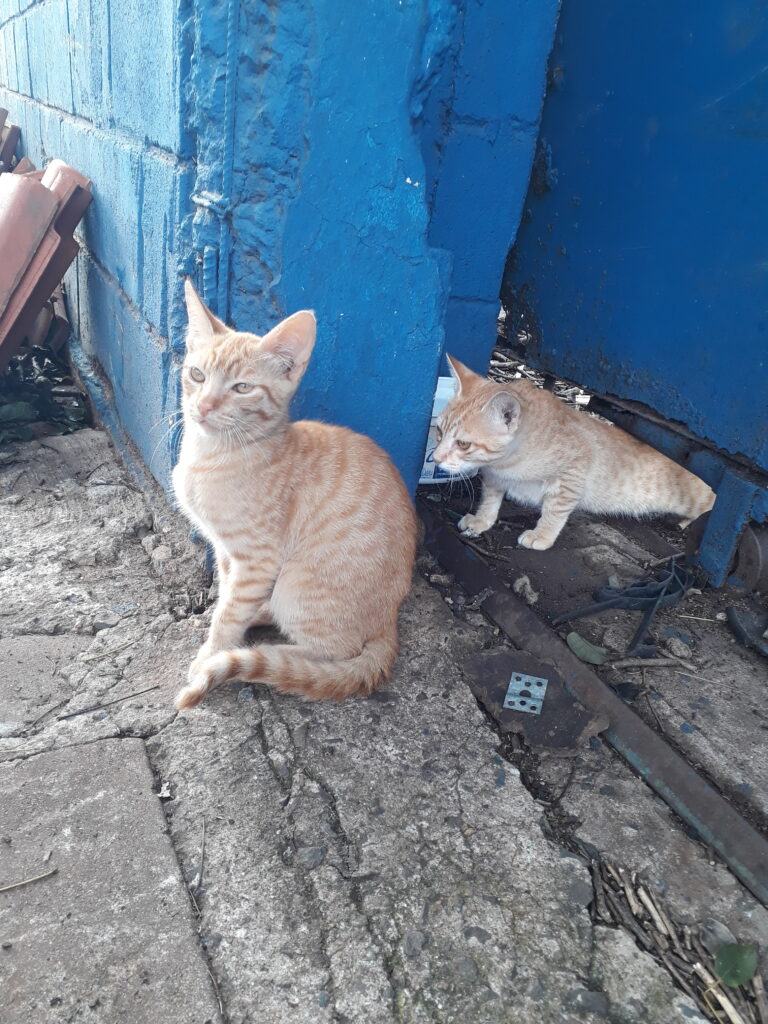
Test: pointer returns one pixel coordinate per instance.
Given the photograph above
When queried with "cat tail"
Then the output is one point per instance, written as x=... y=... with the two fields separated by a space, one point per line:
x=291 y=669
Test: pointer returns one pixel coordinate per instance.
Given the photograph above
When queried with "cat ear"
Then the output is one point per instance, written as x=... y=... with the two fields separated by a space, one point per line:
x=504 y=408
x=292 y=342
x=203 y=325
x=460 y=373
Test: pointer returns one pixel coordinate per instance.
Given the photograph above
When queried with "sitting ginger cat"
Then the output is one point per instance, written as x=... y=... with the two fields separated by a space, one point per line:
x=535 y=449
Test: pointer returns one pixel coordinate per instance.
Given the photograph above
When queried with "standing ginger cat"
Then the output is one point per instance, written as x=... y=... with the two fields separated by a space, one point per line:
x=535 y=449
x=312 y=525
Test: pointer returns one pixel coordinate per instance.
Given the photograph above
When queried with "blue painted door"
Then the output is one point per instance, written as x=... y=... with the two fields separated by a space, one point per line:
x=641 y=266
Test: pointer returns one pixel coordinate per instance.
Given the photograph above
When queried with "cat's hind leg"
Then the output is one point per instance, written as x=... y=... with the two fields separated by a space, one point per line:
x=560 y=499
x=487 y=512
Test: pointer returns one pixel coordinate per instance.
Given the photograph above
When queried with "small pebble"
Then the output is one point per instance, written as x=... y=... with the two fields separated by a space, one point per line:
x=105 y=620
x=310 y=857
x=522 y=587
x=678 y=647
x=150 y=542
x=162 y=554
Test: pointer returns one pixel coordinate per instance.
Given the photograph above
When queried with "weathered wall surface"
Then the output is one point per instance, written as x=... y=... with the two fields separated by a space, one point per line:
x=480 y=125
x=99 y=86
x=368 y=161
x=327 y=205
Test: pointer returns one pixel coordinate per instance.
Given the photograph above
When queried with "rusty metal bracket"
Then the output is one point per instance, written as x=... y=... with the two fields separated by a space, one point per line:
x=714 y=819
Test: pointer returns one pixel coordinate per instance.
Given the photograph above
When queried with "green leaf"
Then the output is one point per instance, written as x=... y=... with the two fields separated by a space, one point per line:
x=736 y=963
x=585 y=651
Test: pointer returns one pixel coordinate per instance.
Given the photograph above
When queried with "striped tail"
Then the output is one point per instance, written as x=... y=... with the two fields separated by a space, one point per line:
x=291 y=669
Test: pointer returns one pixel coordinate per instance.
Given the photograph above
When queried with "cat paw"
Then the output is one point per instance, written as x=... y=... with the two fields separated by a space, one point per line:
x=205 y=673
x=535 y=541
x=473 y=526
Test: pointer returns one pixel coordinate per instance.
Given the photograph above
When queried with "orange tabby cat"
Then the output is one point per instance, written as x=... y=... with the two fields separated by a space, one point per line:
x=538 y=451
x=311 y=524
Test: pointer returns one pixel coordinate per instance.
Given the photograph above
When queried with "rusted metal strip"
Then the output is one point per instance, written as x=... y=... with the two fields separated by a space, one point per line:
x=738 y=843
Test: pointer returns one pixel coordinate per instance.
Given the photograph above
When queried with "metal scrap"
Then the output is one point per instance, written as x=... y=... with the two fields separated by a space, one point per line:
x=511 y=686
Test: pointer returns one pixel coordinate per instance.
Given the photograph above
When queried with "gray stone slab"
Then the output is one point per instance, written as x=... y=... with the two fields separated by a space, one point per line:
x=33 y=685
x=111 y=937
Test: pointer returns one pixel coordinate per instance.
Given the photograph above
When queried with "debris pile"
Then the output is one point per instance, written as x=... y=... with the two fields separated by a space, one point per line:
x=720 y=977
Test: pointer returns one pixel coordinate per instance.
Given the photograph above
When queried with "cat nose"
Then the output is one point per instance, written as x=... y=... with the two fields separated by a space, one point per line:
x=206 y=405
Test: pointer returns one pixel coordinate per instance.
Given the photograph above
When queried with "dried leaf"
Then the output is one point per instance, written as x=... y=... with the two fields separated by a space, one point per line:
x=585 y=651
x=736 y=963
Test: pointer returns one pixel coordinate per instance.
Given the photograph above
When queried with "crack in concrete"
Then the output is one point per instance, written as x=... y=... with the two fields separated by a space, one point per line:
x=349 y=856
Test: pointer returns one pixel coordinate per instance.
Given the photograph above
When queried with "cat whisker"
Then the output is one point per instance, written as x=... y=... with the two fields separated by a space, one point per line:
x=166 y=434
x=170 y=419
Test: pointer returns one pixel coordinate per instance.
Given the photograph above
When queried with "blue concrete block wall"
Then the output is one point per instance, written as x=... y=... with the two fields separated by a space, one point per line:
x=368 y=161
x=98 y=85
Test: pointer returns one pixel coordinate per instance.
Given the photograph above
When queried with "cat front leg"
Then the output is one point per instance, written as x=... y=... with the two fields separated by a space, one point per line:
x=487 y=513
x=560 y=499
x=243 y=602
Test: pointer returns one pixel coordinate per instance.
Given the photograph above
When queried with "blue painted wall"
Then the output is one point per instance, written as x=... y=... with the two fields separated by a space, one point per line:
x=480 y=124
x=74 y=75
x=365 y=160
x=641 y=267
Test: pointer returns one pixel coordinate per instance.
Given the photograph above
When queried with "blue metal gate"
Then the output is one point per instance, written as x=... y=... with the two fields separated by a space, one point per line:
x=641 y=264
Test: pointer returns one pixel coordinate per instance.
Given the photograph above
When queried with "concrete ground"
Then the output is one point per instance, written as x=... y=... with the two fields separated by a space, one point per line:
x=264 y=860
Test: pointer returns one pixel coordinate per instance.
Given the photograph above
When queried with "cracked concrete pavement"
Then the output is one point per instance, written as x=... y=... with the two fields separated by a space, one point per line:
x=259 y=859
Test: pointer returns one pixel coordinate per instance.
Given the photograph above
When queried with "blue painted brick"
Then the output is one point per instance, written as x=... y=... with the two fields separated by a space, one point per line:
x=143 y=62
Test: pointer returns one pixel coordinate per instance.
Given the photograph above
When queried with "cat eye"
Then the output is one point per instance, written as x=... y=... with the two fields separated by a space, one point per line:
x=196 y=375
x=463 y=445
x=242 y=388
x=439 y=433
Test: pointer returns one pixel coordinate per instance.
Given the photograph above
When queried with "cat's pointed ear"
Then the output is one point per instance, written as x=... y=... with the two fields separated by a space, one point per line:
x=203 y=325
x=504 y=409
x=292 y=342
x=460 y=373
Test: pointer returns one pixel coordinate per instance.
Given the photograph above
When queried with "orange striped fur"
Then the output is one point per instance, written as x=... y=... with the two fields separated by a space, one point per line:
x=311 y=524
x=531 y=447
